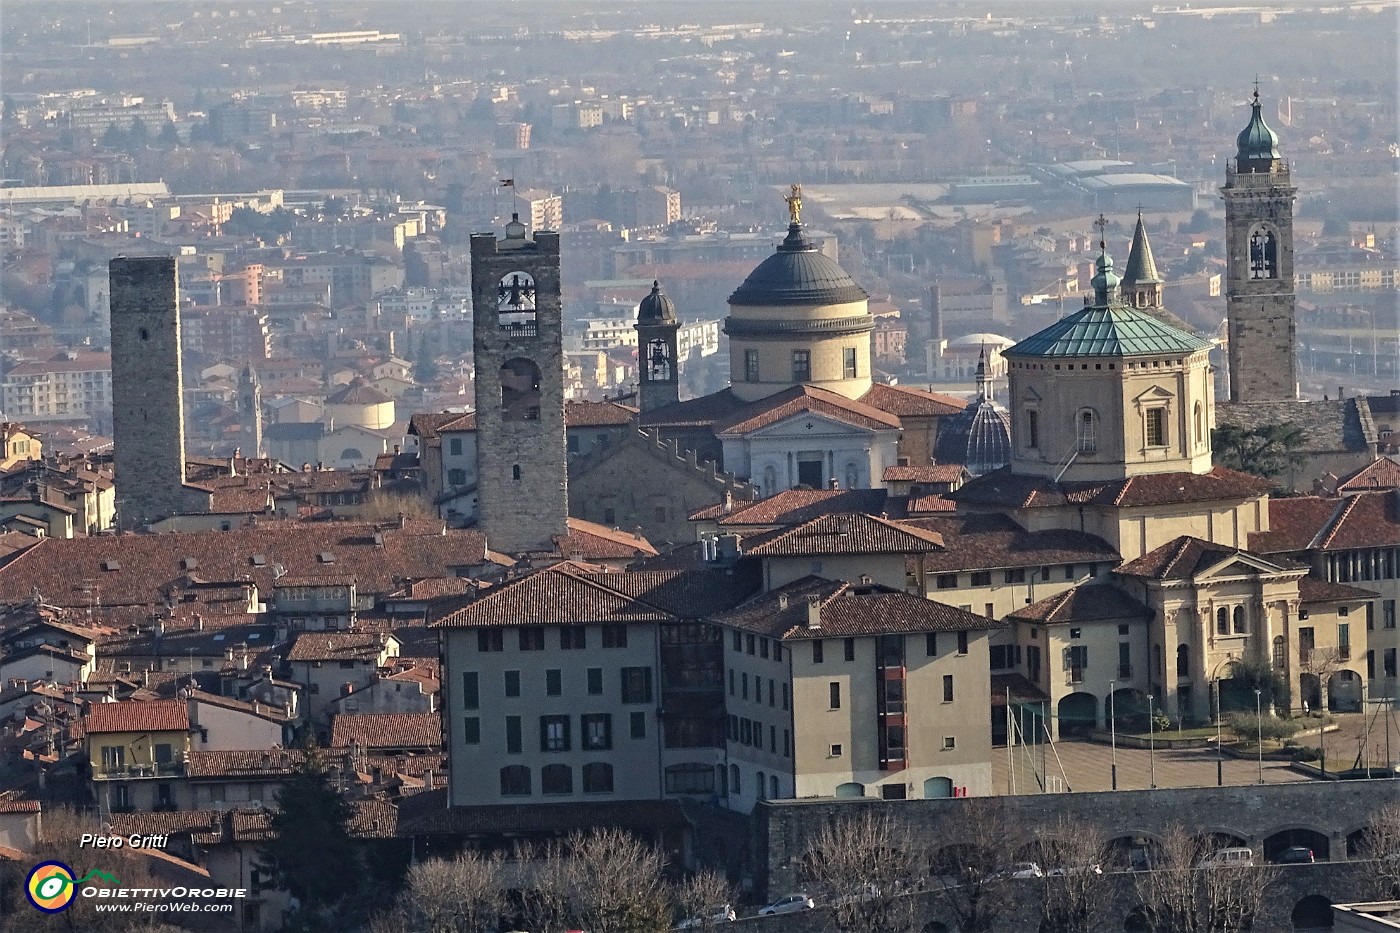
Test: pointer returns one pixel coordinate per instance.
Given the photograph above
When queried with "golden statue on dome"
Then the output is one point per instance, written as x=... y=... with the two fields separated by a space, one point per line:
x=794 y=203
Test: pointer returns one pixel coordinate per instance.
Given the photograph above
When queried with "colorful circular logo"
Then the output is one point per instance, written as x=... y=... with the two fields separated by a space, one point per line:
x=50 y=887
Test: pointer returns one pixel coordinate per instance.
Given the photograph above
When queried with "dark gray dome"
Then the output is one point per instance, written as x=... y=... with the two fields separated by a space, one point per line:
x=656 y=308
x=797 y=274
x=978 y=437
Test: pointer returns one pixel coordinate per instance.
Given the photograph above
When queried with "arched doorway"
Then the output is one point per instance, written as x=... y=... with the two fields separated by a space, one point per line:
x=1311 y=914
x=1310 y=690
x=1079 y=712
x=1133 y=853
x=1320 y=845
x=936 y=788
x=1128 y=707
x=850 y=789
x=1344 y=692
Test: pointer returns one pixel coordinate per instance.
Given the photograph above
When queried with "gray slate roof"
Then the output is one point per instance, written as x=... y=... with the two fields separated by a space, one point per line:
x=1334 y=425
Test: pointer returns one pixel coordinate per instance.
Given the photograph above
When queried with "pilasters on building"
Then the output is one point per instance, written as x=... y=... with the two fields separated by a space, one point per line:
x=148 y=421
x=523 y=473
x=1262 y=310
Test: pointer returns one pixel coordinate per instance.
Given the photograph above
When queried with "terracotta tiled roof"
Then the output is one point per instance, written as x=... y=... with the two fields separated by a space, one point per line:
x=1020 y=688
x=1313 y=590
x=699 y=412
x=1381 y=474
x=792 y=506
x=846 y=609
x=19 y=806
x=205 y=824
x=130 y=716
x=1360 y=520
x=387 y=730
x=1184 y=557
x=243 y=763
x=1004 y=488
x=372 y=819
x=426 y=425
x=843 y=534
x=553 y=596
x=590 y=541
x=134 y=570
x=930 y=473
x=585 y=414
x=908 y=401
x=358 y=392
x=805 y=399
x=990 y=542
x=336 y=646
x=929 y=505
x=691 y=594
x=1092 y=603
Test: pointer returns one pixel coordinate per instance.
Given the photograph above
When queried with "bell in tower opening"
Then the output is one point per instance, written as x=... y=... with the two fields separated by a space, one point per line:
x=657 y=340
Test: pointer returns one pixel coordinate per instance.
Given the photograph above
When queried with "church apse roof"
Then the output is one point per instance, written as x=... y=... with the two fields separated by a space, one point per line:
x=1115 y=330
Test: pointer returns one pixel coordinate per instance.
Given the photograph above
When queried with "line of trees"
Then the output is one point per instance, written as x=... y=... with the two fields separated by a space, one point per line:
x=603 y=881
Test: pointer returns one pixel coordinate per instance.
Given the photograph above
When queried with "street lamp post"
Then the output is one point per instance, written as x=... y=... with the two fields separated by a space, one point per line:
x=1151 y=746
x=1259 y=731
x=1113 y=734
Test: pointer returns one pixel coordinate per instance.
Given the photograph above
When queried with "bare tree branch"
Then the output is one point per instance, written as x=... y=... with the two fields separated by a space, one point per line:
x=701 y=896
x=1380 y=848
x=616 y=883
x=979 y=841
x=864 y=868
x=1074 y=889
x=461 y=895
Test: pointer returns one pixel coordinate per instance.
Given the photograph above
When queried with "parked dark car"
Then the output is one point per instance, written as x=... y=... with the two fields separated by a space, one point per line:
x=1295 y=855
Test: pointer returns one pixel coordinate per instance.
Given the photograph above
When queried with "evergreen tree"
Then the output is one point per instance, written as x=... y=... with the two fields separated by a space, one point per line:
x=1266 y=451
x=311 y=854
x=113 y=137
x=169 y=135
x=139 y=134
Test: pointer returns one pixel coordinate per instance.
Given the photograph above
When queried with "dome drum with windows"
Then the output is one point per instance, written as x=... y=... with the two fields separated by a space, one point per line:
x=1108 y=392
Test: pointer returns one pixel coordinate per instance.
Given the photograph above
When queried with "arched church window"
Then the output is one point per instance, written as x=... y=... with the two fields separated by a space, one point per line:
x=520 y=390
x=1222 y=621
x=1088 y=435
x=658 y=360
x=1183 y=660
x=515 y=304
x=1240 y=625
x=1033 y=429
x=1263 y=254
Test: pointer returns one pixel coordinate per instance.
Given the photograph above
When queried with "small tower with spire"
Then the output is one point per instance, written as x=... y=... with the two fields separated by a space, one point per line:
x=1260 y=303
x=1141 y=286
x=658 y=367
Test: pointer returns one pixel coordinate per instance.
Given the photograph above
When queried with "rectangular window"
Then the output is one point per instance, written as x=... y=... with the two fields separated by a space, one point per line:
x=751 y=372
x=597 y=731
x=553 y=682
x=946 y=581
x=848 y=367
x=1388 y=614
x=471 y=729
x=573 y=638
x=744 y=685
x=1033 y=429
x=998 y=657
x=817 y=651
x=772 y=692
x=773 y=739
x=554 y=733
x=850 y=648
x=801 y=365
x=931 y=644
x=949 y=743
x=1125 y=660
x=1156 y=427
x=512 y=683
x=1015 y=575
x=513 y=735
x=962 y=642
x=471 y=695
x=595 y=681
x=738 y=641
x=639 y=725
x=763 y=648
x=947 y=688
x=982 y=578
x=1069 y=571
x=749 y=644
x=785 y=696
x=1343 y=641
x=454 y=446
x=636 y=685
x=787 y=743
x=532 y=639
x=490 y=639
x=1389 y=660
x=835 y=695
x=731 y=682
x=746 y=731
x=614 y=636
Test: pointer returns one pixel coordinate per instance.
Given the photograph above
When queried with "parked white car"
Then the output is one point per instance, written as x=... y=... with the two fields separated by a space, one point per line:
x=1019 y=870
x=1237 y=856
x=722 y=914
x=787 y=905
x=1065 y=870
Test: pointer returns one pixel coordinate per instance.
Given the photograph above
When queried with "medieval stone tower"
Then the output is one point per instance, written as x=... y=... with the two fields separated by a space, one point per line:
x=148 y=421
x=657 y=365
x=1261 y=303
x=250 y=412
x=518 y=340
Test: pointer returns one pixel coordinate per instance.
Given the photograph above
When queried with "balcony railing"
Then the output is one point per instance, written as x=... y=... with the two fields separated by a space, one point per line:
x=149 y=770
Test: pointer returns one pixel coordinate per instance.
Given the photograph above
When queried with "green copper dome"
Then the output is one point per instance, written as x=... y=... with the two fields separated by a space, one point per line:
x=1112 y=330
x=1257 y=145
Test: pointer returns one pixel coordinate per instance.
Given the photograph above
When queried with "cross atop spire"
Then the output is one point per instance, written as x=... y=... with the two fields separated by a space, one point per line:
x=1102 y=224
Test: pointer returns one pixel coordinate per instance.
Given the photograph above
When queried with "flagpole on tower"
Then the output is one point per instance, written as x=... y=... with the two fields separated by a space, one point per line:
x=508 y=183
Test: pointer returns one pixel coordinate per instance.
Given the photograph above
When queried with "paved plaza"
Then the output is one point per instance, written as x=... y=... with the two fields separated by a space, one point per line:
x=1080 y=765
